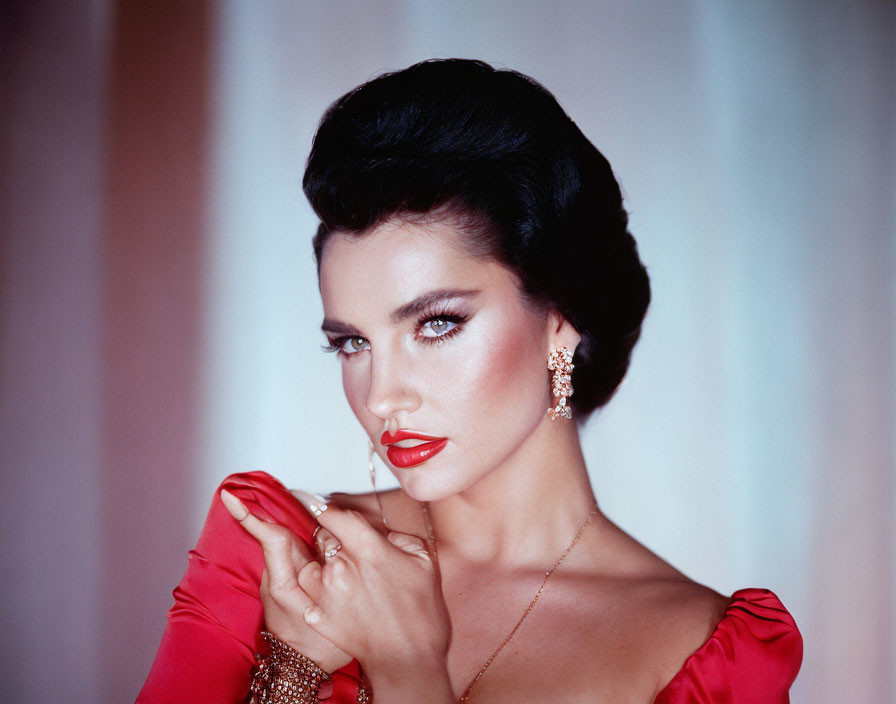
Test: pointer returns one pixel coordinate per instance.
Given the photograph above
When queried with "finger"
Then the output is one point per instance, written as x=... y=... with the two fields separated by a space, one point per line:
x=352 y=530
x=236 y=507
x=313 y=615
x=410 y=544
x=315 y=504
x=327 y=544
x=353 y=523
x=317 y=620
x=309 y=580
x=302 y=554
x=285 y=596
x=276 y=542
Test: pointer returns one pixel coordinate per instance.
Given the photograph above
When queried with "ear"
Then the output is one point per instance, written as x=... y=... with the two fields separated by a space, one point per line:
x=561 y=333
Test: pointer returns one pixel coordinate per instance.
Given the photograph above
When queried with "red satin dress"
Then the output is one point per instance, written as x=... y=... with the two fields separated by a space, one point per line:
x=212 y=634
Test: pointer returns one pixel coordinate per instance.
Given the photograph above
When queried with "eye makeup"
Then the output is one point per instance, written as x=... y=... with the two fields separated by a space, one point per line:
x=341 y=345
x=438 y=319
x=442 y=321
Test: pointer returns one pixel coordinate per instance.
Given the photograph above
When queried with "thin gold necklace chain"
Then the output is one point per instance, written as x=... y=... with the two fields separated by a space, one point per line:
x=465 y=697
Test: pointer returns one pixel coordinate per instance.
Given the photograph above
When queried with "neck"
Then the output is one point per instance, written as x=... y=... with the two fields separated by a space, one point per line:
x=525 y=511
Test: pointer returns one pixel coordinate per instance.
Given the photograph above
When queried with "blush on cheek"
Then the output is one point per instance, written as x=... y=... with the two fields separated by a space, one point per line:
x=512 y=374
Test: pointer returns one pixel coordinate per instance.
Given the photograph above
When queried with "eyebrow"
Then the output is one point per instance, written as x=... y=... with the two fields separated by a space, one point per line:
x=412 y=308
x=421 y=303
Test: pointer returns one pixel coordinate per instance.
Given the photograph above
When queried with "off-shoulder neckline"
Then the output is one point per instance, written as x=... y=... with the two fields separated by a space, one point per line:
x=736 y=607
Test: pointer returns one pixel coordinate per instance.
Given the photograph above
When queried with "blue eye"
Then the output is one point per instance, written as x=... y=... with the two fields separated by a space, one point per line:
x=437 y=327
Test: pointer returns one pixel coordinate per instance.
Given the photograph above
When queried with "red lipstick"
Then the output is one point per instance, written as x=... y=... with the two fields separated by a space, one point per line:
x=411 y=456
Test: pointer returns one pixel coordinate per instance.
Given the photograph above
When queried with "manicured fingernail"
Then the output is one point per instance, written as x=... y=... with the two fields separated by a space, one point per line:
x=315 y=503
x=312 y=614
x=236 y=507
x=327 y=544
x=332 y=550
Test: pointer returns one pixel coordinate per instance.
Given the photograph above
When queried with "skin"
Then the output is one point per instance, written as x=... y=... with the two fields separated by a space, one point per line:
x=506 y=496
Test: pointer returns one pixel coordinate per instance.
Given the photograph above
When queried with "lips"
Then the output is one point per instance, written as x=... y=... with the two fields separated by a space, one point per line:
x=411 y=456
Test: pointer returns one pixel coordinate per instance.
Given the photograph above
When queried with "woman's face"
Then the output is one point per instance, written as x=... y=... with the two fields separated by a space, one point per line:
x=438 y=343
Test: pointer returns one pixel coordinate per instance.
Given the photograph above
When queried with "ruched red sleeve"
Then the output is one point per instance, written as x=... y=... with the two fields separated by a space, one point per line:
x=212 y=633
x=752 y=656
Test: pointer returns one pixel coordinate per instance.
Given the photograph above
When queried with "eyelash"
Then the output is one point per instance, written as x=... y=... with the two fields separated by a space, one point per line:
x=458 y=321
x=336 y=345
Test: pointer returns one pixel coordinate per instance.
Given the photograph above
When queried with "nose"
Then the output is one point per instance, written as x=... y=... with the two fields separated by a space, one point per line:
x=392 y=392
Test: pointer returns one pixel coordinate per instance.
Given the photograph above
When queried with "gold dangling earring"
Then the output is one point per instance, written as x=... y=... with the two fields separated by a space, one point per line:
x=560 y=362
x=372 y=469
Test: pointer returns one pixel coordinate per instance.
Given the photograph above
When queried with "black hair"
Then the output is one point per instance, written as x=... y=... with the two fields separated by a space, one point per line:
x=494 y=153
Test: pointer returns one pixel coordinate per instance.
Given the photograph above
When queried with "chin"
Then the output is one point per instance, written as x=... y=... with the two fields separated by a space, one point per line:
x=420 y=487
x=422 y=491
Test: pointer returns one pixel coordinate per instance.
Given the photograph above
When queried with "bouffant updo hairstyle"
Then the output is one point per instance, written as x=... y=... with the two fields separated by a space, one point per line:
x=492 y=153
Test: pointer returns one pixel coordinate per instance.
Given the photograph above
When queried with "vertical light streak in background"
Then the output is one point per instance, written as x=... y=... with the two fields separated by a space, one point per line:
x=272 y=399
x=811 y=188
x=759 y=143
x=249 y=334
x=260 y=291
x=752 y=444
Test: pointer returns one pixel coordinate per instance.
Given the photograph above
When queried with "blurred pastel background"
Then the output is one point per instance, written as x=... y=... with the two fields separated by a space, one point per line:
x=160 y=315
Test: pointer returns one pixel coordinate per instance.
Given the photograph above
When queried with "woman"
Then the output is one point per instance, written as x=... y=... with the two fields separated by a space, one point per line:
x=484 y=295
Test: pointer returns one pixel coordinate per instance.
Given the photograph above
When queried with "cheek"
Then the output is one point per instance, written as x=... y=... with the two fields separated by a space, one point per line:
x=513 y=371
x=500 y=376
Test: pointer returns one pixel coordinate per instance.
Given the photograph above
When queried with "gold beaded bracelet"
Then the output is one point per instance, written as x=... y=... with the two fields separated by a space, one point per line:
x=285 y=676
x=365 y=693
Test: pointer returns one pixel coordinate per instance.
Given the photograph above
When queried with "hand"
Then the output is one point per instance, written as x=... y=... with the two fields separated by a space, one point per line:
x=378 y=598
x=283 y=600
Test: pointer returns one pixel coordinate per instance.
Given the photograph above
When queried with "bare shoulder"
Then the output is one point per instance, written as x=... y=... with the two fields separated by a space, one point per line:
x=678 y=617
x=682 y=610
x=665 y=608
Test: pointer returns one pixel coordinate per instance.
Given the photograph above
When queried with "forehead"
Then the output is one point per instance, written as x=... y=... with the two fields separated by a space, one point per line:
x=398 y=261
